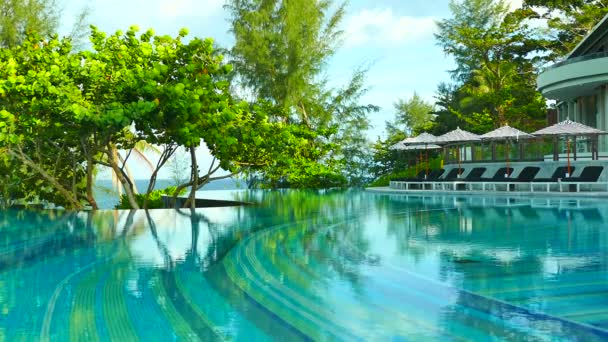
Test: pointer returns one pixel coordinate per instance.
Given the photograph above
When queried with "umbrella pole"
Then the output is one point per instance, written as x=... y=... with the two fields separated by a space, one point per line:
x=459 y=163
x=427 y=161
x=507 y=157
x=568 y=153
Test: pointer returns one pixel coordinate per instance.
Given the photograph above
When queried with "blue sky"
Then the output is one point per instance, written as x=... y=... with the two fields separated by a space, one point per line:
x=394 y=38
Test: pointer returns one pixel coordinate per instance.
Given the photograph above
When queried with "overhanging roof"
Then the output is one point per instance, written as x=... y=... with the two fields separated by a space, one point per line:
x=593 y=37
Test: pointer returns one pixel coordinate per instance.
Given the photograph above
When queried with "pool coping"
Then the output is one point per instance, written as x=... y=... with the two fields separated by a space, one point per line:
x=581 y=195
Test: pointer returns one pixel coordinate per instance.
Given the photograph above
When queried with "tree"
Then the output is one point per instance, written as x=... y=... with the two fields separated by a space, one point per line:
x=568 y=21
x=470 y=19
x=415 y=114
x=38 y=132
x=18 y=17
x=280 y=54
x=447 y=100
x=64 y=113
x=496 y=54
x=280 y=50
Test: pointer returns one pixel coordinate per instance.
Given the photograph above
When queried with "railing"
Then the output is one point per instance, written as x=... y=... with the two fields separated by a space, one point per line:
x=588 y=57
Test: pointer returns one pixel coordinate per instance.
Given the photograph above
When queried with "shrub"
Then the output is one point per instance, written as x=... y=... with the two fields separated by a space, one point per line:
x=155 y=200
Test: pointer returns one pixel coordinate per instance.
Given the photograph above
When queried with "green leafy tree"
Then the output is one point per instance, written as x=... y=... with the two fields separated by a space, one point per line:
x=496 y=54
x=568 y=21
x=38 y=132
x=176 y=94
x=447 y=99
x=18 y=17
x=281 y=49
x=470 y=19
x=414 y=114
x=280 y=54
x=65 y=113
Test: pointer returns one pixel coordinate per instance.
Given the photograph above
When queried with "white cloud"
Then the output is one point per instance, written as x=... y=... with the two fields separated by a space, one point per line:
x=382 y=26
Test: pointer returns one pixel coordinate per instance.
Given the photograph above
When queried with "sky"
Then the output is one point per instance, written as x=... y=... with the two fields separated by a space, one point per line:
x=392 y=38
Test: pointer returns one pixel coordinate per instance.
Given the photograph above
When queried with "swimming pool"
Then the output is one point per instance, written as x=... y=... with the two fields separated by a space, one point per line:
x=304 y=265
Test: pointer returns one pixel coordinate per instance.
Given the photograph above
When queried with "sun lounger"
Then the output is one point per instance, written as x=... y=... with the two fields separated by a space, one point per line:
x=498 y=176
x=525 y=176
x=590 y=175
x=452 y=178
x=433 y=176
x=408 y=183
x=559 y=174
x=475 y=174
x=419 y=176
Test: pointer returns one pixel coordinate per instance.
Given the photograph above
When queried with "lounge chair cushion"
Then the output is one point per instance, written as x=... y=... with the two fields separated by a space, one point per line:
x=475 y=174
x=526 y=175
x=590 y=174
x=559 y=172
x=453 y=174
x=499 y=175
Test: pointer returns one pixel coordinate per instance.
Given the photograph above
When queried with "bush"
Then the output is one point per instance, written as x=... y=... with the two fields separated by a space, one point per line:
x=384 y=180
x=155 y=200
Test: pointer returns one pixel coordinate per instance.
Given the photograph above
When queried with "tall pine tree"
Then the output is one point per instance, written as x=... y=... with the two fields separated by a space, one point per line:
x=280 y=55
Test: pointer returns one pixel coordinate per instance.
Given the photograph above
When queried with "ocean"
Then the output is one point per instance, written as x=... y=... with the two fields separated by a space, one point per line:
x=107 y=197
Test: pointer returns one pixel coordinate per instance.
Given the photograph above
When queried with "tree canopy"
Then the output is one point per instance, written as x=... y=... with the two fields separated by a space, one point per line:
x=280 y=56
x=65 y=112
x=569 y=21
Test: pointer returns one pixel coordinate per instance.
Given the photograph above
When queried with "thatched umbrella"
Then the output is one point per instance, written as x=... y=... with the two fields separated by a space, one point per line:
x=423 y=139
x=568 y=128
x=506 y=133
x=458 y=136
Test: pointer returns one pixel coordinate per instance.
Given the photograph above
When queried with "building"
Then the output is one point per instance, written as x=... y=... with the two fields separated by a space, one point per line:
x=579 y=84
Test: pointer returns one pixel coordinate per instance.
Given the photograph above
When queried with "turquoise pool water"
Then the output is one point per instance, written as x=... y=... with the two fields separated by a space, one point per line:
x=341 y=265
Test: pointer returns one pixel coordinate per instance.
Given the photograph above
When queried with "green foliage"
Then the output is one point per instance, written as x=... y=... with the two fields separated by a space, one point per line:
x=65 y=112
x=154 y=201
x=17 y=17
x=415 y=114
x=386 y=160
x=280 y=54
x=496 y=52
x=409 y=172
x=20 y=17
x=38 y=134
x=457 y=34
x=569 y=21
x=281 y=47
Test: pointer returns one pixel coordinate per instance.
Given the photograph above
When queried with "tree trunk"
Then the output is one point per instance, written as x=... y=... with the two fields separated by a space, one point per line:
x=192 y=198
x=69 y=196
x=164 y=157
x=122 y=178
x=90 y=197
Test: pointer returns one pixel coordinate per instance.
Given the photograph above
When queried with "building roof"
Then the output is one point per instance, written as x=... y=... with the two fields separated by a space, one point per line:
x=596 y=35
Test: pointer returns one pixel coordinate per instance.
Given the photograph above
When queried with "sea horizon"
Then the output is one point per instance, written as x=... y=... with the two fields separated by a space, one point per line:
x=107 y=197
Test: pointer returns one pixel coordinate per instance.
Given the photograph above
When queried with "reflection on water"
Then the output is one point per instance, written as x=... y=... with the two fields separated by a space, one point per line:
x=304 y=265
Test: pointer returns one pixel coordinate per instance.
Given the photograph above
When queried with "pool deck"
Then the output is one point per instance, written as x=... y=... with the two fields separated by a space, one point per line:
x=523 y=194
